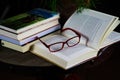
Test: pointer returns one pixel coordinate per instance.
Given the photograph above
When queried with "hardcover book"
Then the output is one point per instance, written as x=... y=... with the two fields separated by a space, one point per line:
x=24 y=27
x=82 y=36
x=25 y=21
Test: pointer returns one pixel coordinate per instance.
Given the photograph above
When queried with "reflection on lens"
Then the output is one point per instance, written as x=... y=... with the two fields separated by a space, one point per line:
x=73 y=41
x=56 y=46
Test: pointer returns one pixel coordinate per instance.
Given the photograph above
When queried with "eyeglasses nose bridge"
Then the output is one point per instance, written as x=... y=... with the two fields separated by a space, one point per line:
x=65 y=43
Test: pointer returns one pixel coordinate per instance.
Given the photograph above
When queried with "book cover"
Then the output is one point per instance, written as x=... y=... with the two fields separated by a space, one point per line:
x=23 y=20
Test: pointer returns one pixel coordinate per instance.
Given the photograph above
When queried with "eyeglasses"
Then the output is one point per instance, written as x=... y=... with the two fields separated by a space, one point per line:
x=54 y=47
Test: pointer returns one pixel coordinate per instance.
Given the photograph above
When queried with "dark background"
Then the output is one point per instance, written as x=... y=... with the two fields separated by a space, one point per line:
x=10 y=8
x=106 y=67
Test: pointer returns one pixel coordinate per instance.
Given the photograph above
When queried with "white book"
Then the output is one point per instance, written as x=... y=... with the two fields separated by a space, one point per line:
x=31 y=31
x=31 y=38
x=96 y=26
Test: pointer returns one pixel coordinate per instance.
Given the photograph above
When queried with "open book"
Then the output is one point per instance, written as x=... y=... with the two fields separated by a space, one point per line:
x=96 y=26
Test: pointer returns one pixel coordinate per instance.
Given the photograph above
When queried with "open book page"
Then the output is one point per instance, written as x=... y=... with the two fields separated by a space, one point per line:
x=66 y=51
x=91 y=23
x=107 y=33
x=112 y=38
x=68 y=56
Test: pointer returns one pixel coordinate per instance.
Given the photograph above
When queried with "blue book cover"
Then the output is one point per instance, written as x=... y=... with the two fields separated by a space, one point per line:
x=43 y=13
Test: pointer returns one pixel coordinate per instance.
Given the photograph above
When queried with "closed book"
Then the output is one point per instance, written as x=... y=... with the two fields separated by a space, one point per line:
x=30 y=32
x=25 y=21
x=23 y=48
x=32 y=37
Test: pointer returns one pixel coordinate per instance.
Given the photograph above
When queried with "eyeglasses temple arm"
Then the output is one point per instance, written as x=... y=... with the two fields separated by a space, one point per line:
x=42 y=42
x=80 y=34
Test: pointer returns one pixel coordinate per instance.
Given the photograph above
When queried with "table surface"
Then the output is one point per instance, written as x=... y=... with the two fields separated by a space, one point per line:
x=23 y=59
x=28 y=59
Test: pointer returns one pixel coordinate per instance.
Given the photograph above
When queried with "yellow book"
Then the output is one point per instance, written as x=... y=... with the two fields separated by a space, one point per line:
x=23 y=48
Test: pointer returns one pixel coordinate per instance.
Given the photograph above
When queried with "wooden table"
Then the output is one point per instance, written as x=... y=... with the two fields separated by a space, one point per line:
x=21 y=59
x=28 y=63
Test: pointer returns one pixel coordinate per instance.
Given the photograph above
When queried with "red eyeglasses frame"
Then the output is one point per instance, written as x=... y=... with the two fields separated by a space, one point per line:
x=65 y=42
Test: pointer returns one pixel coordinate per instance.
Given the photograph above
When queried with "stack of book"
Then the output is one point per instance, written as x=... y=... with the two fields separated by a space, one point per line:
x=19 y=32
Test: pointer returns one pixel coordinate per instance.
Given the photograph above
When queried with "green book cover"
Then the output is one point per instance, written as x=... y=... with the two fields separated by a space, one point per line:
x=24 y=19
x=21 y=21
